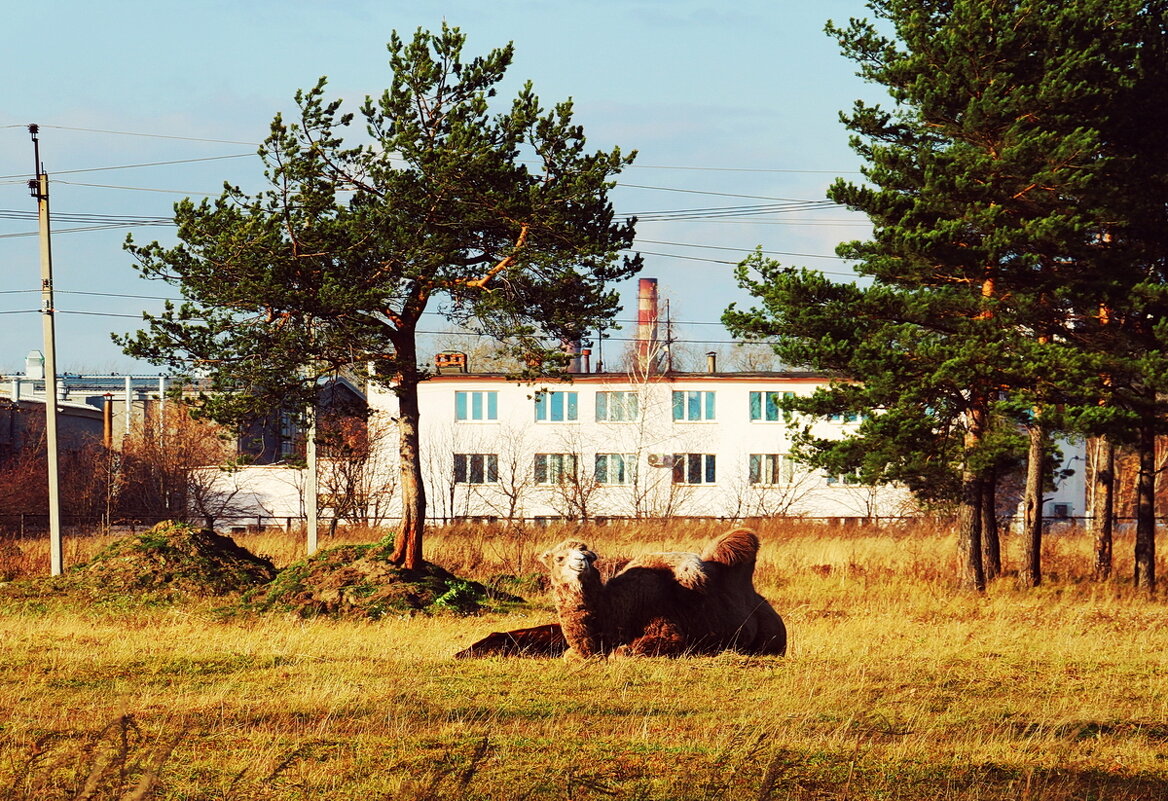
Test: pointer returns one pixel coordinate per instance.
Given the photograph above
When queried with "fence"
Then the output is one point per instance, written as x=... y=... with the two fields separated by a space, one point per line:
x=31 y=524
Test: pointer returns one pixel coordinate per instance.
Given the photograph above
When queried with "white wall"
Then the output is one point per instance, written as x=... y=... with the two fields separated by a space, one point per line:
x=247 y=495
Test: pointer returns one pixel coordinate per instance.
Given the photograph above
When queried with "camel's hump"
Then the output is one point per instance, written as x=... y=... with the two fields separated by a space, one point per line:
x=737 y=547
x=687 y=568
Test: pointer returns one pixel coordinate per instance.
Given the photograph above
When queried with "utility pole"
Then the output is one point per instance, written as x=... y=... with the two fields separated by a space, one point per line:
x=40 y=190
x=312 y=468
x=312 y=484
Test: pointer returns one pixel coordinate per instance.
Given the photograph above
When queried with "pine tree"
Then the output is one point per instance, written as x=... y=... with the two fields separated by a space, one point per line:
x=499 y=221
x=984 y=190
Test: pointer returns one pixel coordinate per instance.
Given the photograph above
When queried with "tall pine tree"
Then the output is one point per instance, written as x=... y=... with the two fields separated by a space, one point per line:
x=981 y=184
x=497 y=220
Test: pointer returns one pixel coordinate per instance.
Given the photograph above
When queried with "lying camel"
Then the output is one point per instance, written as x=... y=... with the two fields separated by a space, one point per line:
x=665 y=604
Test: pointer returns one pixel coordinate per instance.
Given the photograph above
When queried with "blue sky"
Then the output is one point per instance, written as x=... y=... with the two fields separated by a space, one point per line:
x=728 y=105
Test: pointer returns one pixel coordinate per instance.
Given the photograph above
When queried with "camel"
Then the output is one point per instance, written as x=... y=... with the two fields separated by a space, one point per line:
x=665 y=604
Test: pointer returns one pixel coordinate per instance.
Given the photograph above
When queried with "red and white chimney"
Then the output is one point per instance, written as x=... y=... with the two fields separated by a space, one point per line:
x=647 y=350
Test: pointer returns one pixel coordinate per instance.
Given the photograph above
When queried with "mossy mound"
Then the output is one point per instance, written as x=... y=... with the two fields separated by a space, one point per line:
x=359 y=581
x=170 y=562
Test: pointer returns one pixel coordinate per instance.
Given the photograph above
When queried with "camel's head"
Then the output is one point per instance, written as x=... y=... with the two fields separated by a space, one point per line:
x=569 y=561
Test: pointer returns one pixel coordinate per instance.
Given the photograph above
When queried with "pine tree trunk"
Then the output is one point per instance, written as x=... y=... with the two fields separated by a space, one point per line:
x=1145 y=551
x=990 y=539
x=1103 y=513
x=969 y=530
x=1031 y=575
x=969 y=533
x=408 y=548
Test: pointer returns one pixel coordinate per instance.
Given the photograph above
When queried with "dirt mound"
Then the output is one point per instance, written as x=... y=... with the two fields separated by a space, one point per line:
x=171 y=561
x=359 y=581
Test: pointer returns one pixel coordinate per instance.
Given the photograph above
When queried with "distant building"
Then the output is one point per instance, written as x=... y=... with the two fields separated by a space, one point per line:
x=112 y=408
x=98 y=415
x=613 y=445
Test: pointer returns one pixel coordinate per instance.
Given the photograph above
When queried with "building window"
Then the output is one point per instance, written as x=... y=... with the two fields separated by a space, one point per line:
x=693 y=405
x=765 y=405
x=476 y=468
x=554 y=468
x=694 y=468
x=556 y=407
x=615 y=468
x=846 y=417
x=476 y=405
x=771 y=469
x=844 y=480
x=616 y=407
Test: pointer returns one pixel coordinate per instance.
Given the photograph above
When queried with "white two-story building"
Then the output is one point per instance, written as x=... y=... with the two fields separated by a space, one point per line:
x=621 y=445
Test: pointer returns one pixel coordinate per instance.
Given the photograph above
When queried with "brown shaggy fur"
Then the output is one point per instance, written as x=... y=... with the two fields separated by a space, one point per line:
x=737 y=547
x=665 y=604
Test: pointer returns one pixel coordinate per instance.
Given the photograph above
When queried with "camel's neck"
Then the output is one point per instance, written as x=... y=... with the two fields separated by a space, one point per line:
x=580 y=608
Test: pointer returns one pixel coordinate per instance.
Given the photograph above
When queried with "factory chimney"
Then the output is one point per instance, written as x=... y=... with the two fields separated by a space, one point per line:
x=647 y=353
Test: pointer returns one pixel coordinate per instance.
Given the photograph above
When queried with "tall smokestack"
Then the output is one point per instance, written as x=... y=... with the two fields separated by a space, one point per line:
x=647 y=324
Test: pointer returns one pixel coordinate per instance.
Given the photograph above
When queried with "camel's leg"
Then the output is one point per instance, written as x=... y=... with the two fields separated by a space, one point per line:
x=771 y=637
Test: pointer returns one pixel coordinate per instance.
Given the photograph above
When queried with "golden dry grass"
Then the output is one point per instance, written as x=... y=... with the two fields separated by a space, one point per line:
x=897 y=686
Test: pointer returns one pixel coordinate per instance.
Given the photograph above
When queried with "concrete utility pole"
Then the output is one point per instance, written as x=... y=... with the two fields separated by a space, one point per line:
x=40 y=190
x=311 y=473
x=312 y=484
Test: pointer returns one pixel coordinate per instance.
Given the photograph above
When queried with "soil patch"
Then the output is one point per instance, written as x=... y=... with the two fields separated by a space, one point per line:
x=170 y=562
x=359 y=581
x=175 y=562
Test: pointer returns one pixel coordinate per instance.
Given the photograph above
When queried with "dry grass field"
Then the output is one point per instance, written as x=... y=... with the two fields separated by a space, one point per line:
x=897 y=686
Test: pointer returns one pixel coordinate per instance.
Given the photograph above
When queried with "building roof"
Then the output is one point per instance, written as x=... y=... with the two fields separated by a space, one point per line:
x=608 y=378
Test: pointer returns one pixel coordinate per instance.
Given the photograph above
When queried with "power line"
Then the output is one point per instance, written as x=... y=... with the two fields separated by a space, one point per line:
x=463 y=334
x=747 y=251
x=699 y=192
x=127 y=296
x=738 y=169
x=98 y=314
x=85 y=217
x=84 y=229
x=138 y=189
x=116 y=295
x=144 y=164
x=618 y=321
x=779 y=170
x=716 y=212
x=646 y=215
x=148 y=135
